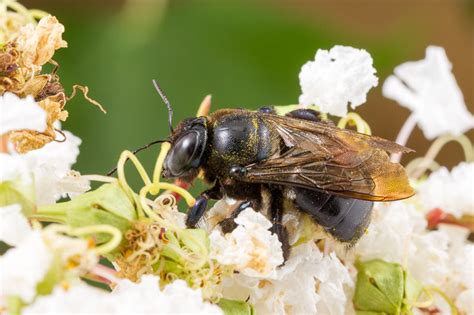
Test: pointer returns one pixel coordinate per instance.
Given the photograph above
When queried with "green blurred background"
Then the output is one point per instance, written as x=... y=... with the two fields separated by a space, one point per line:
x=244 y=53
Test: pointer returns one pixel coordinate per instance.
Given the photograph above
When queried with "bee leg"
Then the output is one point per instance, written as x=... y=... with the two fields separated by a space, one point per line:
x=305 y=114
x=276 y=213
x=197 y=211
x=228 y=224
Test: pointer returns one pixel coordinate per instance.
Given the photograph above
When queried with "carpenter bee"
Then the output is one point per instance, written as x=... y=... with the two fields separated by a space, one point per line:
x=265 y=160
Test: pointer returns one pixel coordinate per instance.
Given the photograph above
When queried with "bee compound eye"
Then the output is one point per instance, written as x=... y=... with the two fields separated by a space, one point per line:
x=182 y=154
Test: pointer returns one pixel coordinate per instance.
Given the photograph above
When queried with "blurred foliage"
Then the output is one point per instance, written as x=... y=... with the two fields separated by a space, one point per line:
x=244 y=55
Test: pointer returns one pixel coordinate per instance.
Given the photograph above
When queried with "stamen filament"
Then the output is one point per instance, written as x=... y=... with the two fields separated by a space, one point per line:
x=92 y=229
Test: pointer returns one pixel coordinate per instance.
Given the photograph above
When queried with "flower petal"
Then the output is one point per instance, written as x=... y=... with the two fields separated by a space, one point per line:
x=20 y=113
x=337 y=77
x=450 y=191
x=14 y=227
x=24 y=267
x=428 y=88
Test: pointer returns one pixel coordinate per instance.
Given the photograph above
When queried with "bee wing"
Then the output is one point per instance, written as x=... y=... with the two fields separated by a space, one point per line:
x=339 y=161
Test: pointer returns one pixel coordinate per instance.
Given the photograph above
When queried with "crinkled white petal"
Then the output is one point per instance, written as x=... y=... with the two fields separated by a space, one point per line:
x=66 y=248
x=20 y=113
x=23 y=267
x=336 y=78
x=14 y=168
x=463 y=266
x=51 y=166
x=333 y=276
x=388 y=236
x=251 y=248
x=308 y=283
x=14 y=227
x=453 y=192
x=73 y=184
x=465 y=302
x=428 y=88
x=429 y=260
x=127 y=298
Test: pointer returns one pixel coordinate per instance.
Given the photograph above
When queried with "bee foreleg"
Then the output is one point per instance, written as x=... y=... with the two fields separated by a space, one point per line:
x=197 y=211
x=228 y=225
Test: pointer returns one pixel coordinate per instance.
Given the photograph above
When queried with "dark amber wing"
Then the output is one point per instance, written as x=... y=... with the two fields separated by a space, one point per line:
x=339 y=161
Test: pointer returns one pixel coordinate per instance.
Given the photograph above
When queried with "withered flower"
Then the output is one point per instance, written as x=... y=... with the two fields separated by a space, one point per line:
x=38 y=43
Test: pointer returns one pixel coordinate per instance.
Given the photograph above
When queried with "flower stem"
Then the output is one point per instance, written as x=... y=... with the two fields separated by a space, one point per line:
x=454 y=310
x=403 y=135
x=99 y=178
x=436 y=147
x=165 y=147
x=353 y=118
x=49 y=217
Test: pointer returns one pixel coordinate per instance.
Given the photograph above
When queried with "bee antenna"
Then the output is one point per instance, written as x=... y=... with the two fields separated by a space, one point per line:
x=112 y=171
x=168 y=105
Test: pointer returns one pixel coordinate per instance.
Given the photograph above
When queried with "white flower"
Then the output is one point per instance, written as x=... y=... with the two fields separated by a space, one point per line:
x=75 y=254
x=429 y=89
x=465 y=301
x=333 y=276
x=429 y=260
x=50 y=167
x=14 y=168
x=14 y=228
x=23 y=267
x=20 y=113
x=450 y=191
x=308 y=283
x=251 y=248
x=337 y=77
x=127 y=298
x=388 y=236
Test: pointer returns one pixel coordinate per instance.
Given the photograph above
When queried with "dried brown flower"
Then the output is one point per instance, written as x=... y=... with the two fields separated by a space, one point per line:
x=38 y=43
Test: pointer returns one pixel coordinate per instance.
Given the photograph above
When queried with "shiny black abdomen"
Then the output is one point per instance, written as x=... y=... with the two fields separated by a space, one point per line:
x=344 y=218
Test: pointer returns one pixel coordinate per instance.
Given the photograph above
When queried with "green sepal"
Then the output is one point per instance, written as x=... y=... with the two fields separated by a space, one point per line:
x=52 y=277
x=14 y=305
x=379 y=287
x=234 y=307
x=15 y=192
x=168 y=250
x=108 y=197
x=413 y=290
x=195 y=239
x=86 y=216
x=369 y=313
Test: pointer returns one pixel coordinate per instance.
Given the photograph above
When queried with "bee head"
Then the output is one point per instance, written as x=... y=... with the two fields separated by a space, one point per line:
x=188 y=143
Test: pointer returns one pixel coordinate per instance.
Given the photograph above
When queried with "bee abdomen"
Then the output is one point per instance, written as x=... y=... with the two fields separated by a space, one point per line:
x=346 y=219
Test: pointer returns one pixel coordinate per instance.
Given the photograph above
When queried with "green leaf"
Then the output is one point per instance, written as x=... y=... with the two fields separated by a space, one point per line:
x=379 y=287
x=234 y=307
